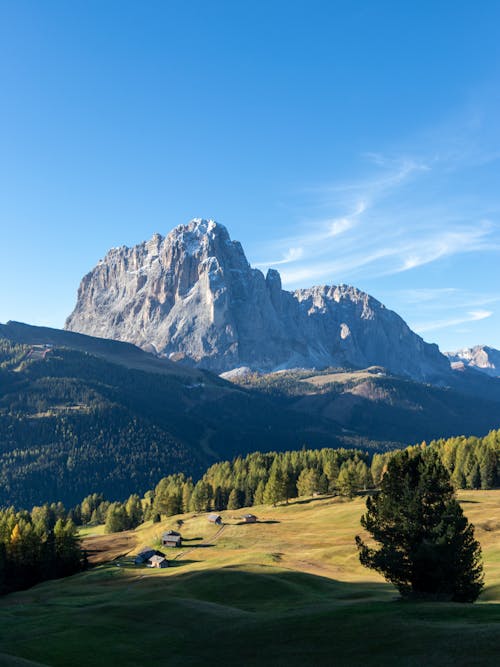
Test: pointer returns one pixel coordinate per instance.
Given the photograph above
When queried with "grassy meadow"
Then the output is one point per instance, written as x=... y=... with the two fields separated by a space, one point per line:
x=288 y=590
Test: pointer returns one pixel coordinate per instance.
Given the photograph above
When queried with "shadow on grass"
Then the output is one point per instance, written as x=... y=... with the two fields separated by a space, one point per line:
x=293 y=619
x=261 y=588
x=252 y=523
x=191 y=539
x=306 y=501
x=180 y=563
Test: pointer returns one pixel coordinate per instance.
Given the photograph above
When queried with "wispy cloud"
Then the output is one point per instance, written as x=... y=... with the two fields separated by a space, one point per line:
x=446 y=298
x=291 y=255
x=384 y=224
x=472 y=316
x=445 y=309
x=425 y=212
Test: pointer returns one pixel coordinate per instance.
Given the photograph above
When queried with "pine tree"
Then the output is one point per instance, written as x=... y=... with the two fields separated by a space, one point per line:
x=427 y=546
x=233 y=502
x=187 y=491
x=308 y=482
x=347 y=481
x=116 y=518
x=259 y=493
x=220 y=499
x=275 y=490
x=134 y=510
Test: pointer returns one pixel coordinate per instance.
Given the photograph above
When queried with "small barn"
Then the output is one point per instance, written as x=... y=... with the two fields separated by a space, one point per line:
x=215 y=518
x=171 y=539
x=158 y=561
x=249 y=518
x=145 y=554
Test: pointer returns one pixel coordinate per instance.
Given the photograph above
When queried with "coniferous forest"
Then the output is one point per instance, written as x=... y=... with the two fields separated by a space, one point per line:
x=73 y=422
x=43 y=544
x=37 y=545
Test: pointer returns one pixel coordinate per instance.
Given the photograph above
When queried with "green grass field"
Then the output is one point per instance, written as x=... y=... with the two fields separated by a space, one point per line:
x=288 y=590
x=90 y=531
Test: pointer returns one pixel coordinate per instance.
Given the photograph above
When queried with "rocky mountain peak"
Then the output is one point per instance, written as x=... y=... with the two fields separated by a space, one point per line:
x=193 y=296
x=480 y=357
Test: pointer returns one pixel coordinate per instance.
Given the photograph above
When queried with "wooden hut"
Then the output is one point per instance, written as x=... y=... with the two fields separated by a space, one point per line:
x=215 y=518
x=158 y=561
x=144 y=555
x=171 y=539
x=249 y=518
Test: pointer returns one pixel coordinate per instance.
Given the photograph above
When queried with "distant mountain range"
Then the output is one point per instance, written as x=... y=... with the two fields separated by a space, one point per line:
x=481 y=357
x=193 y=297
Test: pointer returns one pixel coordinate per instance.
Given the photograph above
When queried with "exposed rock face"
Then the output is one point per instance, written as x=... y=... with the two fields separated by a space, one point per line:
x=193 y=296
x=480 y=357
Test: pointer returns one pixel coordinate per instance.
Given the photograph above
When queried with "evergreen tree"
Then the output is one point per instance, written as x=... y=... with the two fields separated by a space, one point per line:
x=275 y=490
x=187 y=490
x=234 y=500
x=259 y=493
x=220 y=499
x=347 y=481
x=308 y=482
x=116 y=518
x=134 y=511
x=427 y=546
x=289 y=482
x=201 y=497
x=67 y=550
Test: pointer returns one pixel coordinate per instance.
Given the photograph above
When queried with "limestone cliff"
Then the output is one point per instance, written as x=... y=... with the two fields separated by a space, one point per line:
x=193 y=296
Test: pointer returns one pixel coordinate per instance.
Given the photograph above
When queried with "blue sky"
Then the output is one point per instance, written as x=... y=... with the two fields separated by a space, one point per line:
x=354 y=142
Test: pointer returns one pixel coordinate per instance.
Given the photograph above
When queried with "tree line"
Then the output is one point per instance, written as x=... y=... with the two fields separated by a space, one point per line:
x=275 y=477
x=36 y=546
x=472 y=462
x=43 y=544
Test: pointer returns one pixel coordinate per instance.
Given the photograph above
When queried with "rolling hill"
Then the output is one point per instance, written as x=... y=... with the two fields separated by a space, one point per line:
x=288 y=590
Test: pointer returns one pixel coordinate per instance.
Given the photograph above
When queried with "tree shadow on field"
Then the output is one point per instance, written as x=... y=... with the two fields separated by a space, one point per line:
x=191 y=539
x=252 y=523
x=312 y=499
x=179 y=563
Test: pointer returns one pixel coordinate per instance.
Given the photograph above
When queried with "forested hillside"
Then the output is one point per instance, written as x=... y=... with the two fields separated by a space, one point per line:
x=73 y=422
x=376 y=405
x=80 y=415
x=277 y=477
x=273 y=477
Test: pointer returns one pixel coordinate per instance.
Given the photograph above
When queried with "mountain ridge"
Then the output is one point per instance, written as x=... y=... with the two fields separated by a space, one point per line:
x=482 y=358
x=192 y=296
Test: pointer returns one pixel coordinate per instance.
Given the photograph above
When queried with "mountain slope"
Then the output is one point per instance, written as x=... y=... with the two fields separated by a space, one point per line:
x=193 y=296
x=378 y=406
x=79 y=414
